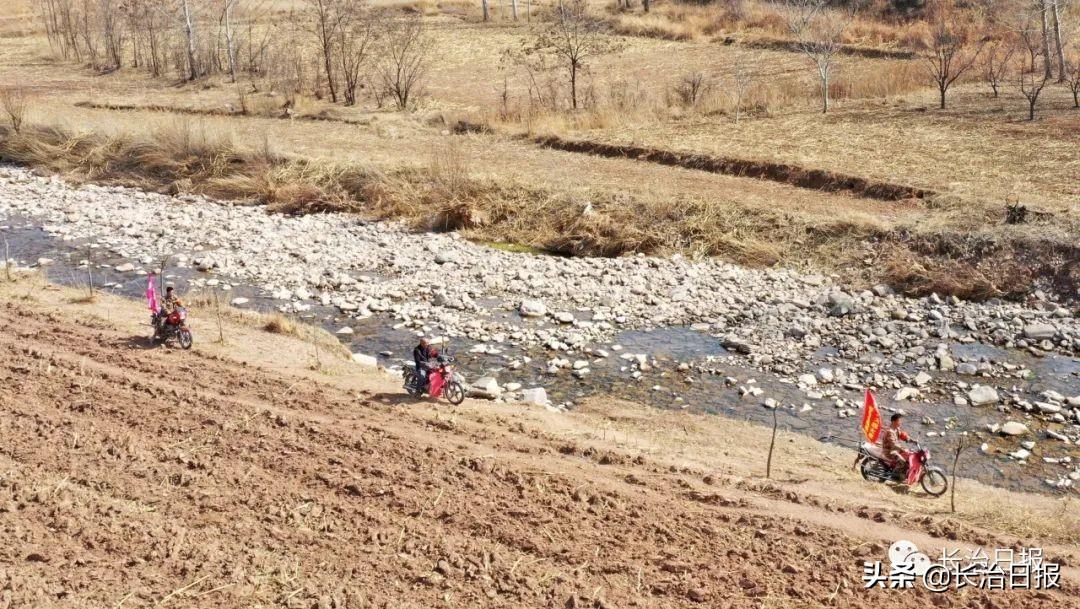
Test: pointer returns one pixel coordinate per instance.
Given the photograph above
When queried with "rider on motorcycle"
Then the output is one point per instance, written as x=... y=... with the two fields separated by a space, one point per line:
x=890 y=443
x=168 y=305
x=424 y=357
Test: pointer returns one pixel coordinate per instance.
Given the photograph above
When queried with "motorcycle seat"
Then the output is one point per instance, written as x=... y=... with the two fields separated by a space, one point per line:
x=874 y=450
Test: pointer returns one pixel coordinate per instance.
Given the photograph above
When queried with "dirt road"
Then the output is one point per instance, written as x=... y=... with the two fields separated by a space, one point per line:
x=139 y=477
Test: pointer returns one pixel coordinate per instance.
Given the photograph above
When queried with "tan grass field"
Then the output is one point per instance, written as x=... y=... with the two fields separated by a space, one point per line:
x=975 y=156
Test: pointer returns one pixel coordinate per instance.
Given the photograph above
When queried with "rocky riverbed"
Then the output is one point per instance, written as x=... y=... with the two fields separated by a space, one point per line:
x=777 y=339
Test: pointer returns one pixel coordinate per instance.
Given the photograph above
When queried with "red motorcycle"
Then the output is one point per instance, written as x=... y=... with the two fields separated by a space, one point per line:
x=173 y=325
x=874 y=467
x=442 y=381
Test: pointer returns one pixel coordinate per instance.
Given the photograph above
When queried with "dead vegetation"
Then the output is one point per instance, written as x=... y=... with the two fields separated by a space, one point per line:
x=443 y=194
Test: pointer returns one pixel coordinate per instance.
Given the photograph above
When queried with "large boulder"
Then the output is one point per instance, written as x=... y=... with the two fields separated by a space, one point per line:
x=983 y=395
x=1012 y=428
x=531 y=307
x=736 y=344
x=1039 y=331
x=367 y=361
x=485 y=387
x=536 y=396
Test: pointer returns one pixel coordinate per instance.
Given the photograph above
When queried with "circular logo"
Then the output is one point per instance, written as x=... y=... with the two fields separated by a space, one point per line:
x=900 y=551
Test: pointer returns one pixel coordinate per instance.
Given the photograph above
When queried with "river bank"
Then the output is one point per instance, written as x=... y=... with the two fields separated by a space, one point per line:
x=671 y=332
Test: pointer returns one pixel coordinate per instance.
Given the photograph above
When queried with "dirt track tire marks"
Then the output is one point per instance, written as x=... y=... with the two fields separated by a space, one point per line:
x=258 y=489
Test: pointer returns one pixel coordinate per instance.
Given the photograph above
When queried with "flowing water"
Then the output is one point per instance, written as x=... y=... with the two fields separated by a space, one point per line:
x=663 y=387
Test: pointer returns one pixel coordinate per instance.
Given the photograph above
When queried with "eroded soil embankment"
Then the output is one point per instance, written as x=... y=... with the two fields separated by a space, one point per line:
x=142 y=476
x=786 y=173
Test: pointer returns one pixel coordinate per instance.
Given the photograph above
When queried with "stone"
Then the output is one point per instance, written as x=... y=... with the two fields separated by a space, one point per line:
x=906 y=393
x=532 y=308
x=238 y=301
x=485 y=387
x=1013 y=428
x=983 y=395
x=967 y=368
x=1039 y=331
x=535 y=395
x=345 y=331
x=736 y=344
x=367 y=361
x=922 y=379
x=127 y=267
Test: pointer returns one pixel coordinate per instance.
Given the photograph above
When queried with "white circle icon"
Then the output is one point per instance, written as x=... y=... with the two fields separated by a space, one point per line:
x=900 y=551
x=920 y=561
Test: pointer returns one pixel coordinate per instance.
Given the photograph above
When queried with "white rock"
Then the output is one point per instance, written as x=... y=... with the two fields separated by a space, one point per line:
x=536 y=396
x=1013 y=428
x=367 y=361
x=485 y=387
x=983 y=395
x=532 y=308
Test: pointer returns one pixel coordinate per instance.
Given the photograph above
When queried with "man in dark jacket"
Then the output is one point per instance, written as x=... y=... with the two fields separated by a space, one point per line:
x=423 y=354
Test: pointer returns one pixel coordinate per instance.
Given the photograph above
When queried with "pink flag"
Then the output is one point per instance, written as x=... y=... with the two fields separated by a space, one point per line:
x=151 y=295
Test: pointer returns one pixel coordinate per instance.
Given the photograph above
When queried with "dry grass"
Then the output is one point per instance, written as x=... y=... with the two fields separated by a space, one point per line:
x=209 y=306
x=445 y=194
x=749 y=20
x=279 y=324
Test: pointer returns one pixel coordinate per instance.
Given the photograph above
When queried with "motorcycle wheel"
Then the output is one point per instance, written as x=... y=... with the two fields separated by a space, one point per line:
x=455 y=393
x=934 y=482
x=412 y=384
x=185 y=339
x=866 y=468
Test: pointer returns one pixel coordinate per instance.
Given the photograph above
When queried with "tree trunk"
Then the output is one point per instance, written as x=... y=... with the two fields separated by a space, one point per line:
x=189 y=29
x=230 y=43
x=824 y=92
x=1031 y=109
x=645 y=5
x=1048 y=64
x=942 y=88
x=573 y=84
x=484 y=5
x=1058 y=43
x=513 y=9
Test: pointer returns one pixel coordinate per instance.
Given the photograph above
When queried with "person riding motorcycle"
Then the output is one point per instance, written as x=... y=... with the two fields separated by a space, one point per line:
x=424 y=357
x=170 y=303
x=891 y=448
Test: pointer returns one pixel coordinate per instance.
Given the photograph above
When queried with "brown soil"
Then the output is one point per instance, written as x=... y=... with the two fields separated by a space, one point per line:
x=142 y=477
x=785 y=173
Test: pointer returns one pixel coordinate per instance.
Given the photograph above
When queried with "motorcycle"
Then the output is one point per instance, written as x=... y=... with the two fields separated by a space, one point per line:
x=443 y=380
x=173 y=325
x=871 y=463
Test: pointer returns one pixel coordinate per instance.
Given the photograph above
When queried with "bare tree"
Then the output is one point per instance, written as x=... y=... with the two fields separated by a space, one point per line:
x=691 y=88
x=230 y=38
x=573 y=37
x=951 y=49
x=818 y=31
x=1072 y=79
x=996 y=60
x=15 y=103
x=327 y=17
x=742 y=79
x=1058 y=39
x=1031 y=78
x=1042 y=7
x=404 y=53
x=190 y=34
x=358 y=36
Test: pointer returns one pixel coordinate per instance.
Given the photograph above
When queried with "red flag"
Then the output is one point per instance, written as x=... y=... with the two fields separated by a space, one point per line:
x=151 y=295
x=871 y=418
